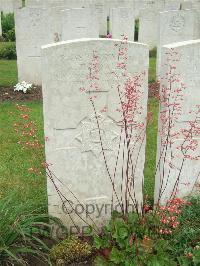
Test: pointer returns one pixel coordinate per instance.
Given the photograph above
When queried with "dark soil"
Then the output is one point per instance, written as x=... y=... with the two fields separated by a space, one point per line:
x=8 y=94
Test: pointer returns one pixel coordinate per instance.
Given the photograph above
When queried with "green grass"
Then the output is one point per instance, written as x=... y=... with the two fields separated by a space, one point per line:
x=5 y=44
x=8 y=70
x=152 y=69
x=15 y=162
x=8 y=73
x=151 y=147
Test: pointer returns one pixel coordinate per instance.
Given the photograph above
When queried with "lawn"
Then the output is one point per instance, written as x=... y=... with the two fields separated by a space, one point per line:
x=8 y=69
x=15 y=161
x=152 y=69
x=151 y=147
x=8 y=73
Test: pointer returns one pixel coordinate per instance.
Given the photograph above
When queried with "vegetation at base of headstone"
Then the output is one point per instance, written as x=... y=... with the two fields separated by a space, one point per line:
x=22 y=231
x=70 y=250
x=8 y=51
x=153 y=52
x=136 y=30
x=8 y=27
x=186 y=241
x=168 y=235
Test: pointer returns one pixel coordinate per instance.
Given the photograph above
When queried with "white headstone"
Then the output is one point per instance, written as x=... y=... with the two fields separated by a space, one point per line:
x=110 y=4
x=9 y=6
x=99 y=6
x=179 y=136
x=172 y=5
x=140 y=5
x=196 y=4
x=175 y=26
x=148 y=27
x=0 y=26
x=118 y=3
x=186 y=5
x=35 y=27
x=73 y=73
x=197 y=27
x=102 y=15
x=122 y=23
x=103 y=8
x=56 y=3
x=79 y=23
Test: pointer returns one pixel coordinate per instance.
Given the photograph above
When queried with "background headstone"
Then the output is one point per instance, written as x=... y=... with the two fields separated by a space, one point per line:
x=148 y=27
x=35 y=27
x=186 y=5
x=102 y=16
x=79 y=23
x=196 y=4
x=122 y=22
x=147 y=4
x=0 y=26
x=180 y=86
x=73 y=150
x=9 y=6
x=175 y=26
x=172 y=5
x=56 y=3
x=98 y=5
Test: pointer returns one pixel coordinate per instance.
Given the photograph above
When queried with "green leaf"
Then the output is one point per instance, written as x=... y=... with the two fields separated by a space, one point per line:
x=101 y=261
x=101 y=242
x=121 y=230
x=196 y=257
x=155 y=262
x=116 y=256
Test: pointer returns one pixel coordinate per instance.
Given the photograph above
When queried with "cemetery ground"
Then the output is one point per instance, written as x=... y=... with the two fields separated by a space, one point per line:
x=152 y=234
x=23 y=193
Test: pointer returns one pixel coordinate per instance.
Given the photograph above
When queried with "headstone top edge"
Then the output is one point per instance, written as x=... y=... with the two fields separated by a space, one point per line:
x=179 y=44
x=83 y=40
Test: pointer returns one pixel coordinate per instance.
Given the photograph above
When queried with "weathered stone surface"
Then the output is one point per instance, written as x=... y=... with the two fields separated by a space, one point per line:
x=196 y=4
x=73 y=72
x=179 y=144
x=98 y=5
x=0 y=26
x=102 y=15
x=154 y=5
x=35 y=27
x=122 y=23
x=79 y=23
x=172 y=5
x=148 y=27
x=102 y=7
x=186 y=5
x=176 y=26
x=9 y=6
x=55 y=3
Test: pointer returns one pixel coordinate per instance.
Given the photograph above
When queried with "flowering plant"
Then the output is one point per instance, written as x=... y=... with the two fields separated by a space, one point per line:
x=159 y=237
x=23 y=86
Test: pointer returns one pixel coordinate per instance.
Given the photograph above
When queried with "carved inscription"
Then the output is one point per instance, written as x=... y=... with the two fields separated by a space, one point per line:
x=177 y=23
